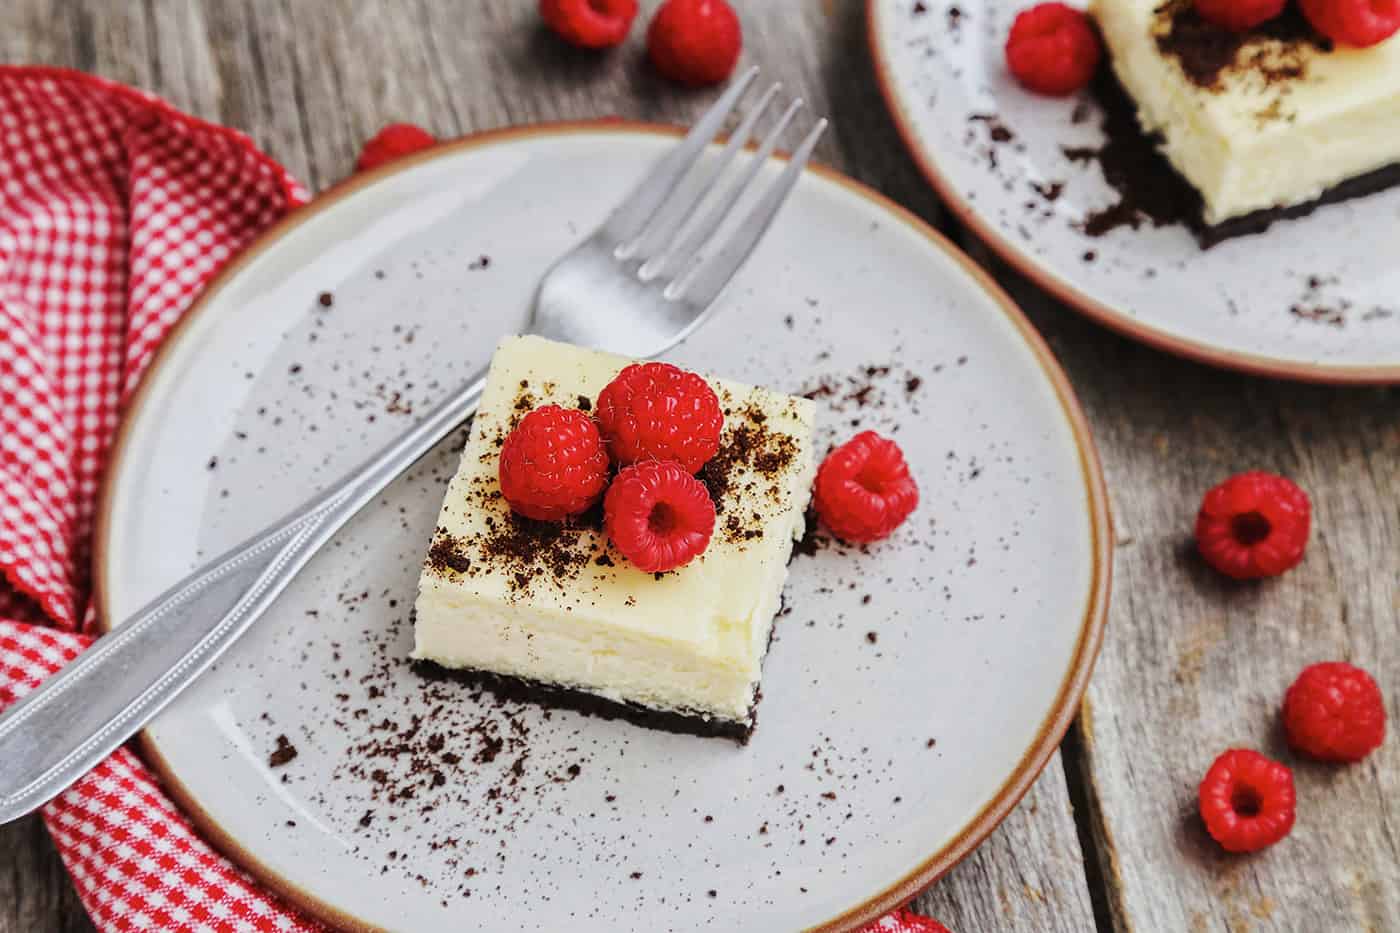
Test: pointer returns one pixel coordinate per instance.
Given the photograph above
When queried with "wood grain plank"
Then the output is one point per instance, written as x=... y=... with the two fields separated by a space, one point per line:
x=311 y=80
x=1194 y=664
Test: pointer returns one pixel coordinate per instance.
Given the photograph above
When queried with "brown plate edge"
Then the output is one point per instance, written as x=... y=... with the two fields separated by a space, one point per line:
x=978 y=829
x=1103 y=314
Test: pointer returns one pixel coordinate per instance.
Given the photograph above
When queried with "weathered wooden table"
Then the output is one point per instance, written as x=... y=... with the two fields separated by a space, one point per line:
x=1108 y=839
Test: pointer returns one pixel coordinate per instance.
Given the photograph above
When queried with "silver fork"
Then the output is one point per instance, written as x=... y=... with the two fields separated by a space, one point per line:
x=637 y=286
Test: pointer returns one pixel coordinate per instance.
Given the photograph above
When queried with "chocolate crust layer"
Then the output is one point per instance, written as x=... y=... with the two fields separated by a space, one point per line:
x=1259 y=221
x=524 y=690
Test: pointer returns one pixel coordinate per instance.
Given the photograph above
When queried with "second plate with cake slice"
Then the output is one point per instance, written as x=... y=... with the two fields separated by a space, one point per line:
x=1265 y=125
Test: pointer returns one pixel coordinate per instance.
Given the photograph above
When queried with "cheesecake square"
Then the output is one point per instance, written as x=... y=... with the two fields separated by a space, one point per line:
x=1265 y=124
x=552 y=612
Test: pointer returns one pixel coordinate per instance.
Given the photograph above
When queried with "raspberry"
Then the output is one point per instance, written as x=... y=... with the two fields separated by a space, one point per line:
x=1360 y=23
x=1239 y=15
x=903 y=921
x=658 y=515
x=553 y=464
x=864 y=490
x=392 y=142
x=655 y=411
x=1053 y=49
x=1334 y=712
x=695 y=42
x=1253 y=525
x=1247 y=801
x=592 y=24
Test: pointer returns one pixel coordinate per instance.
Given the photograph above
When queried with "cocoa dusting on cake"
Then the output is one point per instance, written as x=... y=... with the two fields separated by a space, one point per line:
x=1274 y=52
x=753 y=460
x=446 y=554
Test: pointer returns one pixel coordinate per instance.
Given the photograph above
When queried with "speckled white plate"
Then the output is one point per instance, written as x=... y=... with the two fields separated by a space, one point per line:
x=1316 y=299
x=912 y=694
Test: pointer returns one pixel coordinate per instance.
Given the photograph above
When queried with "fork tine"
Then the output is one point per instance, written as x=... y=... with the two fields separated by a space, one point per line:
x=676 y=254
x=628 y=219
x=671 y=216
x=703 y=283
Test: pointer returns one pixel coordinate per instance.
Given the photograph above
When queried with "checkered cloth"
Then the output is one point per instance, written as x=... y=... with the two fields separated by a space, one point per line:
x=115 y=211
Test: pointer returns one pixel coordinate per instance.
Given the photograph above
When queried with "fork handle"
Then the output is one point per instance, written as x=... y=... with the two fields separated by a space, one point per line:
x=66 y=727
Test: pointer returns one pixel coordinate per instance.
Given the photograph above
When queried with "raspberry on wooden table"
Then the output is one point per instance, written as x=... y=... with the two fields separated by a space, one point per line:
x=589 y=24
x=1239 y=15
x=1360 y=23
x=1247 y=801
x=656 y=411
x=393 y=142
x=1254 y=525
x=864 y=490
x=1334 y=712
x=553 y=464
x=658 y=515
x=695 y=42
x=1053 y=49
x=904 y=921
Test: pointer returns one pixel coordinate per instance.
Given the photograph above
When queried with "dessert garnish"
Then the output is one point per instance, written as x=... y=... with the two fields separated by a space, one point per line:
x=1359 y=23
x=1247 y=801
x=1053 y=49
x=1334 y=712
x=658 y=515
x=1254 y=525
x=589 y=24
x=1239 y=15
x=553 y=464
x=656 y=411
x=695 y=42
x=864 y=490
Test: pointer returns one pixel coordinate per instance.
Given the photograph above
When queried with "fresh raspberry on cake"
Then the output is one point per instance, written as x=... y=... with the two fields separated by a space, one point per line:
x=1361 y=23
x=1247 y=801
x=1334 y=712
x=658 y=515
x=904 y=921
x=1053 y=49
x=590 y=24
x=1254 y=525
x=864 y=490
x=1239 y=15
x=553 y=464
x=393 y=142
x=656 y=411
x=695 y=42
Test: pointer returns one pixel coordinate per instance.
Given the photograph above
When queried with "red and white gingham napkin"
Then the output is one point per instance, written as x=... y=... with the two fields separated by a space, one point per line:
x=115 y=211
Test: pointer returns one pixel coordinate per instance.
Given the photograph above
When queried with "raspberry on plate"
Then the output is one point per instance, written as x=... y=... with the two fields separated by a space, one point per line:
x=864 y=490
x=1334 y=712
x=394 y=141
x=904 y=921
x=1254 y=525
x=658 y=515
x=695 y=42
x=1361 y=23
x=656 y=411
x=553 y=464
x=1239 y=15
x=1053 y=49
x=590 y=24
x=1247 y=801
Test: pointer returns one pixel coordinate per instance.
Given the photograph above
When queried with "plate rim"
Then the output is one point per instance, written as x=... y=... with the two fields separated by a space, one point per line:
x=925 y=159
x=977 y=828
